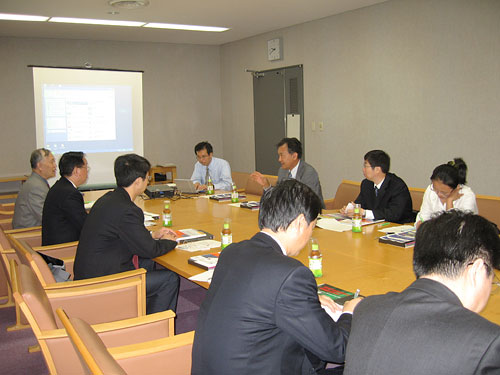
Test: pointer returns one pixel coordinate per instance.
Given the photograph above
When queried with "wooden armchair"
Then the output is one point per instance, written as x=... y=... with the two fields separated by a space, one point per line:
x=6 y=210
x=116 y=304
x=31 y=257
x=152 y=357
x=347 y=192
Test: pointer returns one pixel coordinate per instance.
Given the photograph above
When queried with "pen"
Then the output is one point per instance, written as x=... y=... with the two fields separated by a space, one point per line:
x=356 y=295
x=383 y=225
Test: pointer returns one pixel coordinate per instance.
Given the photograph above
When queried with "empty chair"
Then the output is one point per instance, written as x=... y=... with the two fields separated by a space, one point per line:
x=168 y=355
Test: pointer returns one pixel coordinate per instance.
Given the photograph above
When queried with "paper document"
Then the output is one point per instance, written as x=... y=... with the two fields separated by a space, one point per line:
x=204 y=276
x=335 y=315
x=199 y=245
x=234 y=204
x=397 y=229
x=334 y=225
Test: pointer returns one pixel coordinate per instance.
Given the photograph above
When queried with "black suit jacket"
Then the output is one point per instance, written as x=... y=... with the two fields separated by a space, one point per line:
x=63 y=213
x=393 y=202
x=422 y=330
x=112 y=234
x=261 y=313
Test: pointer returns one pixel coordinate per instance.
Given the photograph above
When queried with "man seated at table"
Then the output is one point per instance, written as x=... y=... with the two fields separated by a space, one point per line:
x=293 y=167
x=64 y=211
x=29 y=202
x=433 y=326
x=114 y=232
x=383 y=195
x=208 y=165
x=261 y=314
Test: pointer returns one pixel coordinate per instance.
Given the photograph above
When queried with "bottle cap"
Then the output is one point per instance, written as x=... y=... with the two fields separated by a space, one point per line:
x=315 y=246
x=226 y=225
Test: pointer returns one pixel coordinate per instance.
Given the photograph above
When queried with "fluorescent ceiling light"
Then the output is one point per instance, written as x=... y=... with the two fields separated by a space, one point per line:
x=22 y=17
x=89 y=21
x=185 y=27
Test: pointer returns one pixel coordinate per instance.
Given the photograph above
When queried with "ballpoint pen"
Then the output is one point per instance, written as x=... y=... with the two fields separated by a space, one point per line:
x=356 y=295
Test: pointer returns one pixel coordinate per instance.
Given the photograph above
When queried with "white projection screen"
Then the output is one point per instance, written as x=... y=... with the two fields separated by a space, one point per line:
x=98 y=112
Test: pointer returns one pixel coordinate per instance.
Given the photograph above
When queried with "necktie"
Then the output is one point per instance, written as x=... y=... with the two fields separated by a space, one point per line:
x=376 y=191
x=289 y=175
x=206 y=177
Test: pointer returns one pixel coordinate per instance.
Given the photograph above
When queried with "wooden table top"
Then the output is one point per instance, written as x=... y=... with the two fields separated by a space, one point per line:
x=350 y=260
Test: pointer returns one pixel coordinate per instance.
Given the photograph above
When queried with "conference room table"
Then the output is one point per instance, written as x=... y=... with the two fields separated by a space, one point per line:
x=350 y=260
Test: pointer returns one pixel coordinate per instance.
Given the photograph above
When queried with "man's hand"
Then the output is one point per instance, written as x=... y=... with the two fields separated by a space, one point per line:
x=199 y=186
x=328 y=302
x=164 y=234
x=350 y=305
x=260 y=179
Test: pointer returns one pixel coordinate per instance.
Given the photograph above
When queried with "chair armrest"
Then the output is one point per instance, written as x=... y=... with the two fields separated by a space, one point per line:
x=136 y=330
x=96 y=280
x=22 y=230
x=63 y=250
x=154 y=346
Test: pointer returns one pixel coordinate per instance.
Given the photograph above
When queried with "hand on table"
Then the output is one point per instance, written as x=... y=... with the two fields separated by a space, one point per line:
x=164 y=234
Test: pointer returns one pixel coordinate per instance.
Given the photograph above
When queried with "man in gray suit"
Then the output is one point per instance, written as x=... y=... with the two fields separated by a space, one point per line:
x=289 y=156
x=30 y=199
x=433 y=326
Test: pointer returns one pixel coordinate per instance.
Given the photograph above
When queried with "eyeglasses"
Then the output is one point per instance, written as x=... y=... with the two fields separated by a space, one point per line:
x=441 y=193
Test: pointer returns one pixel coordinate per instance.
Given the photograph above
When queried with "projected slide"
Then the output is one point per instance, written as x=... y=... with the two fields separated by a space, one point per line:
x=87 y=118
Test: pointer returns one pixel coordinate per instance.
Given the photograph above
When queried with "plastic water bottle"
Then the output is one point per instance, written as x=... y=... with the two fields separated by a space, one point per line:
x=315 y=259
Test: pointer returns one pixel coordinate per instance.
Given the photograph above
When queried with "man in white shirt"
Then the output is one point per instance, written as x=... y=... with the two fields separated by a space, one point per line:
x=208 y=165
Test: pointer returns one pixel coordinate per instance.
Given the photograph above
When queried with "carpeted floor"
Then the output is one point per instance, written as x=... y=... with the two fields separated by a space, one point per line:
x=14 y=356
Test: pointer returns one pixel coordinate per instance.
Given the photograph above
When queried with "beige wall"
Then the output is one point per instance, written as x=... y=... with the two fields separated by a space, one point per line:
x=181 y=94
x=417 y=78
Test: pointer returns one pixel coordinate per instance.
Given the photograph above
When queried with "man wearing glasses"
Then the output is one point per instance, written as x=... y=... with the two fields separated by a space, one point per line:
x=208 y=165
x=64 y=211
x=433 y=326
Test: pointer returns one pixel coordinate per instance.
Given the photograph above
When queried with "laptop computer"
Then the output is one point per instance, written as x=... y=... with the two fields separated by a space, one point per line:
x=185 y=185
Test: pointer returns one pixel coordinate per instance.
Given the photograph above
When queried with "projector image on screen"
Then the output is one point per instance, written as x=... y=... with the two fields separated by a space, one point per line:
x=87 y=118
x=96 y=111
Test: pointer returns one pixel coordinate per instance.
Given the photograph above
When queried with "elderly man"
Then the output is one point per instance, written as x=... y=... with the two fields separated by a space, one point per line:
x=64 y=212
x=29 y=202
x=262 y=314
x=433 y=326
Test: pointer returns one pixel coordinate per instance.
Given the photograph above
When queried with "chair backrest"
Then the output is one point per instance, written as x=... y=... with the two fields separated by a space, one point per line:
x=489 y=207
x=252 y=187
x=40 y=314
x=417 y=195
x=93 y=354
x=240 y=179
x=32 y=259
x=347 y=192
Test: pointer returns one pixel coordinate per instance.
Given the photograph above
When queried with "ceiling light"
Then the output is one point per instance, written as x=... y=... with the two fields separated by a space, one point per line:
x=129 y=4
x=185 y=27
x=22 y=17
x=89 y=21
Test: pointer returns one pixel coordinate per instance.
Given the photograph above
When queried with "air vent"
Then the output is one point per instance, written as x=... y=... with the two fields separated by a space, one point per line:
x=129 y=4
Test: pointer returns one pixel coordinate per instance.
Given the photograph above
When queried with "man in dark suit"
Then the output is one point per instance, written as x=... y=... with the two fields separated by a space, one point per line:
x=292 y=166
x=262 y=314
x=63 y=211
x=383 y=195
x=114 y=232
x=433 y=326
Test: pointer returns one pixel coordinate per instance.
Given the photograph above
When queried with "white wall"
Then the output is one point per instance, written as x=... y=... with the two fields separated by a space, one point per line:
x=417 y=78
x=181 y=94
